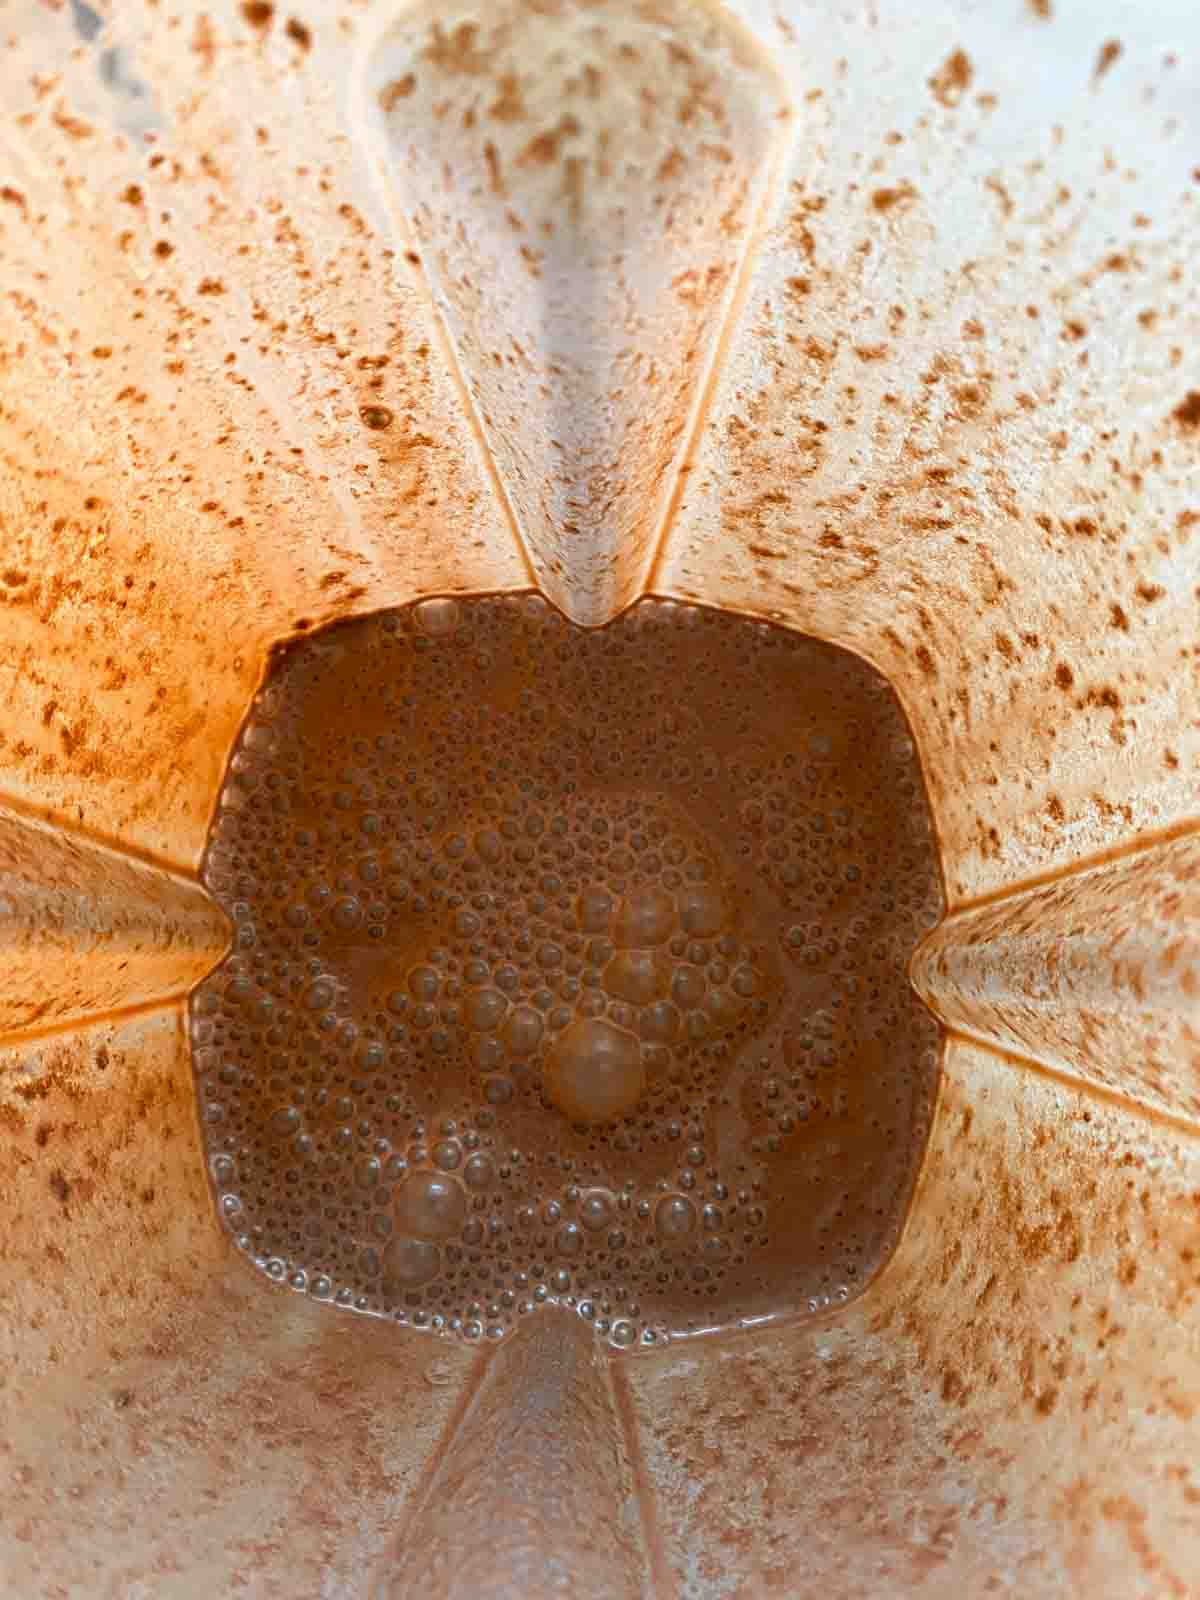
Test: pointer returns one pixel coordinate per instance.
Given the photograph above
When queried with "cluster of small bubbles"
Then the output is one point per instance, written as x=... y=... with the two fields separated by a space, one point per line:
x=549 y=986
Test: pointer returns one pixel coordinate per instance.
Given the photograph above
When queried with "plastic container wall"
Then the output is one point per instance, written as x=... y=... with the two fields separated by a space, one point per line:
x=880 y=324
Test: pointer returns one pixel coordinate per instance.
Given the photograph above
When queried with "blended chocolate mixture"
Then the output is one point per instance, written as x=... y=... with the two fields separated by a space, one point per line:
x=569 y=966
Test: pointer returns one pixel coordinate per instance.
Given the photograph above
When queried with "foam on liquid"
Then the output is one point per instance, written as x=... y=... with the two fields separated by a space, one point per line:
x=568 y=966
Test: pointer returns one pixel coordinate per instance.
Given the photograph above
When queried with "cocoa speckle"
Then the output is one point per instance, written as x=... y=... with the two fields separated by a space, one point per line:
x=258 y=13
x=1109 y=54
x=888 y=199
x=495 y=177
x=1063 y=676
x=952 y=79
x=953 y=1388
x=543 y=148
x=456 y=52
x=299 y=33
x=204 y=42
x=1187 y=412
x=508 y=105
x=1119 y=618
x=73 y=127
x=375 y=417
x=997 y=188
x=398 y=89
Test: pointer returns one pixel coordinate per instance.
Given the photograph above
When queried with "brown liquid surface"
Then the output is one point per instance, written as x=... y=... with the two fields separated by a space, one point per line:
x=569 y=966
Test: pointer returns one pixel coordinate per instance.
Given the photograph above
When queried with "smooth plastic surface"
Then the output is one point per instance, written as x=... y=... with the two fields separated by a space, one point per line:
x=925 y=385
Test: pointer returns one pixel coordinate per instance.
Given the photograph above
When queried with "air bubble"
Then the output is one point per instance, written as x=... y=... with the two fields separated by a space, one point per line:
x=347 y=913
x=702 y=910
x=645 y=918
x=437 y=618
x=424 y=983
x=408 y=1263
x=594 y=1071
x=638 y=976
x=447 y=1155
x=489 y=1053
x=595 y=910
x=489 y=845
x=660 y=1022
x=674 y=1218
x=597 y=1208
x=286 y=1120
x=523 y=1031
x=430 y=1206
x=688 y=987
x=478 y=1171
x=485 y=1009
